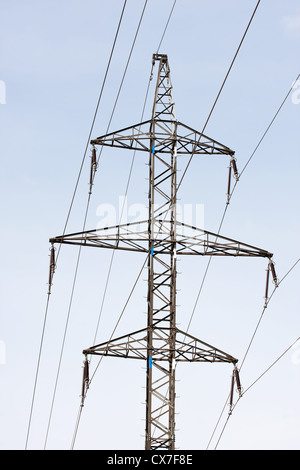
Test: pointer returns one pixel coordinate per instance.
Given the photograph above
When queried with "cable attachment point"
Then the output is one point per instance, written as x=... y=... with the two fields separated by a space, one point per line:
x=85 y=380
x=232 y=166
x=51 y=267
x=235 y=379
x=229 y=183
x=231 y=394
x=275 y=280
x=94 y=166
x=238 y=382
x=267 y=286
x=233 y=163
x=271 y=268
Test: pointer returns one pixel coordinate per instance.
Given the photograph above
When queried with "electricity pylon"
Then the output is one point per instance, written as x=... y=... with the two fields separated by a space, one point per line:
x=162 y=238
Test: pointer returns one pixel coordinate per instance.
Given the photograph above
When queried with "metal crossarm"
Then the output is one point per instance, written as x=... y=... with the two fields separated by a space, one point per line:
x=135 y=346
x=135 y=237
x=138 y=136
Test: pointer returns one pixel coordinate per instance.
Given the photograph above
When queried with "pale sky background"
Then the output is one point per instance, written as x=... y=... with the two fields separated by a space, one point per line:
x=53 y=59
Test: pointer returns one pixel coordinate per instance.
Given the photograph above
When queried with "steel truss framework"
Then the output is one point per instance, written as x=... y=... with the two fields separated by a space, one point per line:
x=161 y=344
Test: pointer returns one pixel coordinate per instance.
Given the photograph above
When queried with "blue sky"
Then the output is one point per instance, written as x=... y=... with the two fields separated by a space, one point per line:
x=53 y=60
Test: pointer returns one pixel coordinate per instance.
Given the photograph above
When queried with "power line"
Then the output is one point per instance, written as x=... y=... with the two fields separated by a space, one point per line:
x=113 y=253
x=127 y=186
x=166 y=26
x=254 y=383
x=221 y=88
x=233 y=189
x=131 y=166
x=222 y=220
x=270 y=367
x=226 y=207
x=208 y=118
x=99 y=362
x=129 y=177
x=133 y=159
x=68 y=215
x=89 y=196
x=246 y=353
x=264 y=309
x=37 y=372
x=96 y=111
x=85 y=240
x=268 y=128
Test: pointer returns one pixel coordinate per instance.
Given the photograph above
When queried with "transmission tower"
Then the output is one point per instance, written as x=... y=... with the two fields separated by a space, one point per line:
x=162 y=238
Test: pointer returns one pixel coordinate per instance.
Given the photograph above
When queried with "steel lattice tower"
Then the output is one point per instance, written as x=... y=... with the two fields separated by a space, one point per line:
x=162 y=237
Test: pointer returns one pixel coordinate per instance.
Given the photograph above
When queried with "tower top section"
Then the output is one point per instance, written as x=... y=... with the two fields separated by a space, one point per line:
x=163 y=129
x=163 y=105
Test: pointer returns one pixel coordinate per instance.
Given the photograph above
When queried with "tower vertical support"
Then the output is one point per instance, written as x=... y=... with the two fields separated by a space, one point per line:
x=160 y=383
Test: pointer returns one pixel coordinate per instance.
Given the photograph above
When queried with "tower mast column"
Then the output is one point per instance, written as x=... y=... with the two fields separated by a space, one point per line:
x=160 y=382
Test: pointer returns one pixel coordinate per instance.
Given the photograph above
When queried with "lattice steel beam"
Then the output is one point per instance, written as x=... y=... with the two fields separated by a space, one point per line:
x=138 y=136
x=195 y=241
x=187 y=347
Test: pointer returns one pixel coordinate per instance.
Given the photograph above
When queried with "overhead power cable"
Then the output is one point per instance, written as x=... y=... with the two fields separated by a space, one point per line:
x=113 y=253
x=166 y=26
x=130 y=171
x=268 y=128
x=96 y=112
x=254 y=383
x=89 y=196
x=132 y=162
x=245 y=355
x=220 y=91
x=202 y=131
x=68 y=216
x=256 y=148
x=233 y=189
x=222 y=220
x=264 y=309
x=207 y=267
